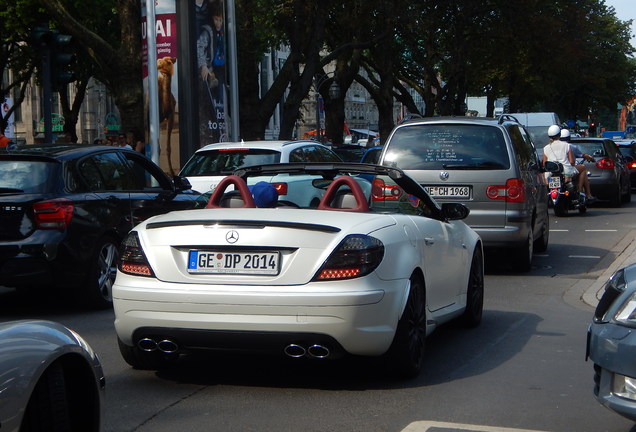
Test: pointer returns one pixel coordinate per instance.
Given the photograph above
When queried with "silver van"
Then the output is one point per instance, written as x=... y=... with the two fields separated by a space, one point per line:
x=491 y=166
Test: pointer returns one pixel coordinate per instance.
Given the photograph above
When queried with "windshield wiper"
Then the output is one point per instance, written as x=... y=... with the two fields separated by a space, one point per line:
x=10 y=190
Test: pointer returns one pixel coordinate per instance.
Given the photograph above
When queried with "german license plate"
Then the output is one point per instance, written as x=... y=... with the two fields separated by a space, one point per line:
x=554 y=182
x=239 y=263
x=448 y=191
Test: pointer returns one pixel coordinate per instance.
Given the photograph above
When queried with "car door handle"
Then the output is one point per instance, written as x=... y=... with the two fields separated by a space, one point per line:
x=429 y=241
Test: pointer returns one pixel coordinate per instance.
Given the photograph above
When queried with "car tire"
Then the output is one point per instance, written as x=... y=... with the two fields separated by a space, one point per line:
x=561 y=207
x=97 y=290
x=522 y=256
x=406 y=354
x=48 y=407
x=627 y=196
x=541 y=244
x=475 y=293
x=616 y=198
x=143 y=360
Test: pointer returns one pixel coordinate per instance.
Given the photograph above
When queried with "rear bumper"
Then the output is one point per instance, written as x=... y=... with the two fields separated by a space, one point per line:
x=357 y=316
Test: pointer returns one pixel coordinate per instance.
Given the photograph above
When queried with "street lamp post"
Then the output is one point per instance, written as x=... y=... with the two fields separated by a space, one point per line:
x=334 y=93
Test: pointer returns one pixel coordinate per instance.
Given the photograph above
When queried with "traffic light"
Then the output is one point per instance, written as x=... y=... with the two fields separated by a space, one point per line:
x=61 y=60
x=592 y=130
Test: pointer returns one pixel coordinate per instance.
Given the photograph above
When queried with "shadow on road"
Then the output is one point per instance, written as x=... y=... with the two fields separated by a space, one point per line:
x=453 y=353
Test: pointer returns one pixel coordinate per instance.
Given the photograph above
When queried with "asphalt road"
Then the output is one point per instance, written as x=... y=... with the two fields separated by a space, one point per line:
x=522 y=369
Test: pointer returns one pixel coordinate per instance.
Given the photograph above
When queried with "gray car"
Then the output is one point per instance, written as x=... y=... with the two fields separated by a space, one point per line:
x=609 y=175
x=50 y=379
x=491 y=166
x=611 y=344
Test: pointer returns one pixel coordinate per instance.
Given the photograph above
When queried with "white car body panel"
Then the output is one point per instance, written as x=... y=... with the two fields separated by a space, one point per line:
x=361 y=313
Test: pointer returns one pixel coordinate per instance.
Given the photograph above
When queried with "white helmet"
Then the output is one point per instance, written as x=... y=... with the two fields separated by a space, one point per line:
x=565 y=133
x=554 y=131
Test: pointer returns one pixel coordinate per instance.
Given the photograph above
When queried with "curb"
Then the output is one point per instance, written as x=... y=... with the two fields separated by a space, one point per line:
x=626 y=250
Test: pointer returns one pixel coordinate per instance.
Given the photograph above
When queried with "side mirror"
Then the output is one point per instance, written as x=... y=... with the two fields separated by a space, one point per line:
x=553 y=167
x=181 y=183
x=454 y=211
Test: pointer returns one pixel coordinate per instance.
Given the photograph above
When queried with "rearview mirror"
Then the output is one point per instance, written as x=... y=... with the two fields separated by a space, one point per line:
x=455 y=211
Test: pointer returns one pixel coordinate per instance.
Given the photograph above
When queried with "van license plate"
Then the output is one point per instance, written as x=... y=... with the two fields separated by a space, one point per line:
x=448 y=191
x=239 y=263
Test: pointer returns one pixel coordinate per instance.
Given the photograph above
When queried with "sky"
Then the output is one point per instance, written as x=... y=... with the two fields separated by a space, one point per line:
x=625 y=10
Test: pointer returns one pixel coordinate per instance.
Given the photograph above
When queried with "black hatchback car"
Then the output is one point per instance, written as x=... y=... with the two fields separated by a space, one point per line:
x=65 y=209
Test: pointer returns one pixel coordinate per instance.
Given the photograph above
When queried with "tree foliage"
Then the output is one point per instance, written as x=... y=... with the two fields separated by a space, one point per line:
x=568 y=56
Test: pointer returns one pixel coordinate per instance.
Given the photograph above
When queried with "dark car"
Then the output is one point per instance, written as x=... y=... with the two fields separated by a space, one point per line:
x=491 y=166
x=628 y=150
x=611 y=344
x=65 y=209
x=349 y=153
x=609 y=174
x=372 y=155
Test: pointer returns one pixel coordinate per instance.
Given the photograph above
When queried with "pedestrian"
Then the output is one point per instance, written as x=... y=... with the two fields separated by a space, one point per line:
x=4 y=141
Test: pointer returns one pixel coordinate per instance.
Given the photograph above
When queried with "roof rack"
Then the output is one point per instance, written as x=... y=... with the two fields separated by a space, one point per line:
x=507 y=117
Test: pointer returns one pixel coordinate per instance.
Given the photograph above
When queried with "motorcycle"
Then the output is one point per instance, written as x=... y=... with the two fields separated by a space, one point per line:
x=563 y=191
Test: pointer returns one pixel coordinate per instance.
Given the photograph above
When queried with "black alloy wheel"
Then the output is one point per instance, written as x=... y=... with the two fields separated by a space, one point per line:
x=406 y=354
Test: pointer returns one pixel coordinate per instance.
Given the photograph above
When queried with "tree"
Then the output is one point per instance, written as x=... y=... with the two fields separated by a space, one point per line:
x=108 y=32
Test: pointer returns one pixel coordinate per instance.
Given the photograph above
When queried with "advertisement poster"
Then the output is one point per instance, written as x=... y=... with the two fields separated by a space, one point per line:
x=167 y=70
x=9 y=131
x=211 y=70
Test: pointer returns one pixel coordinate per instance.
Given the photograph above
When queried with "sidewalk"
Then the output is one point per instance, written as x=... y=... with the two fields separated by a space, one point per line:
x=626 y=250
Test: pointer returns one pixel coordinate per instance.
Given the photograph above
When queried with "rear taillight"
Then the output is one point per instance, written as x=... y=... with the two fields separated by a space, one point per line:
x=133 y=260
x=380 y=191
x=357 y=255
x=513 y=191
x=281 y=188
x=53 y=214
x=605 y=163
x=632 y=165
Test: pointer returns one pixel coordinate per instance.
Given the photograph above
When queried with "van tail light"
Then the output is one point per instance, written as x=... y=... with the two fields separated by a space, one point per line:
x=356 y=256
x=133 y=260
x=513 y=191
x=281 y=188
x=53 y=214
x=605 y=163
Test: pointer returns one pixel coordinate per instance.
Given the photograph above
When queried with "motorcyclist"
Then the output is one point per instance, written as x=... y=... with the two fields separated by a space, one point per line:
x=584 y=182
x=560 y=151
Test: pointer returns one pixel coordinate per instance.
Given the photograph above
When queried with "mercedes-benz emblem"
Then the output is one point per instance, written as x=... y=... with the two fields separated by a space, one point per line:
x=232 y=236
x=443 y=175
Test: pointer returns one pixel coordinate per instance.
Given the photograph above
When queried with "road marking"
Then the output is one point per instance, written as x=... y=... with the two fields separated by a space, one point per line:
x=558 y=230
x=601 y=230
x=584 y=256
x=423 y=426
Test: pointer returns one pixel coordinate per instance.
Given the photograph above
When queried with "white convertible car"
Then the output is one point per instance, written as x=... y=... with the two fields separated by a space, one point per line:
x=370 y=272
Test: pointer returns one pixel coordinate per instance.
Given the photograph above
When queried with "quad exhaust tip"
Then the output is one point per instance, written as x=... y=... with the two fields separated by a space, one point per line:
x=166 y=346
x=314 y=351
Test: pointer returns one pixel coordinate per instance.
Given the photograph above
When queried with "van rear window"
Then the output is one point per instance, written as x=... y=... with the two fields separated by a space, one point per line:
x=448 y=146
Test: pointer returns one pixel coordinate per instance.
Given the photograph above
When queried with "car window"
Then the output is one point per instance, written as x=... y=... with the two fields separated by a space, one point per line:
x=595 y=149
x=107 y=171
x=146 y=178
x=312 y=153
x=447 y=146
x=225 y=161
x=522 y=144
x=26 y=176
x=327 y=155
